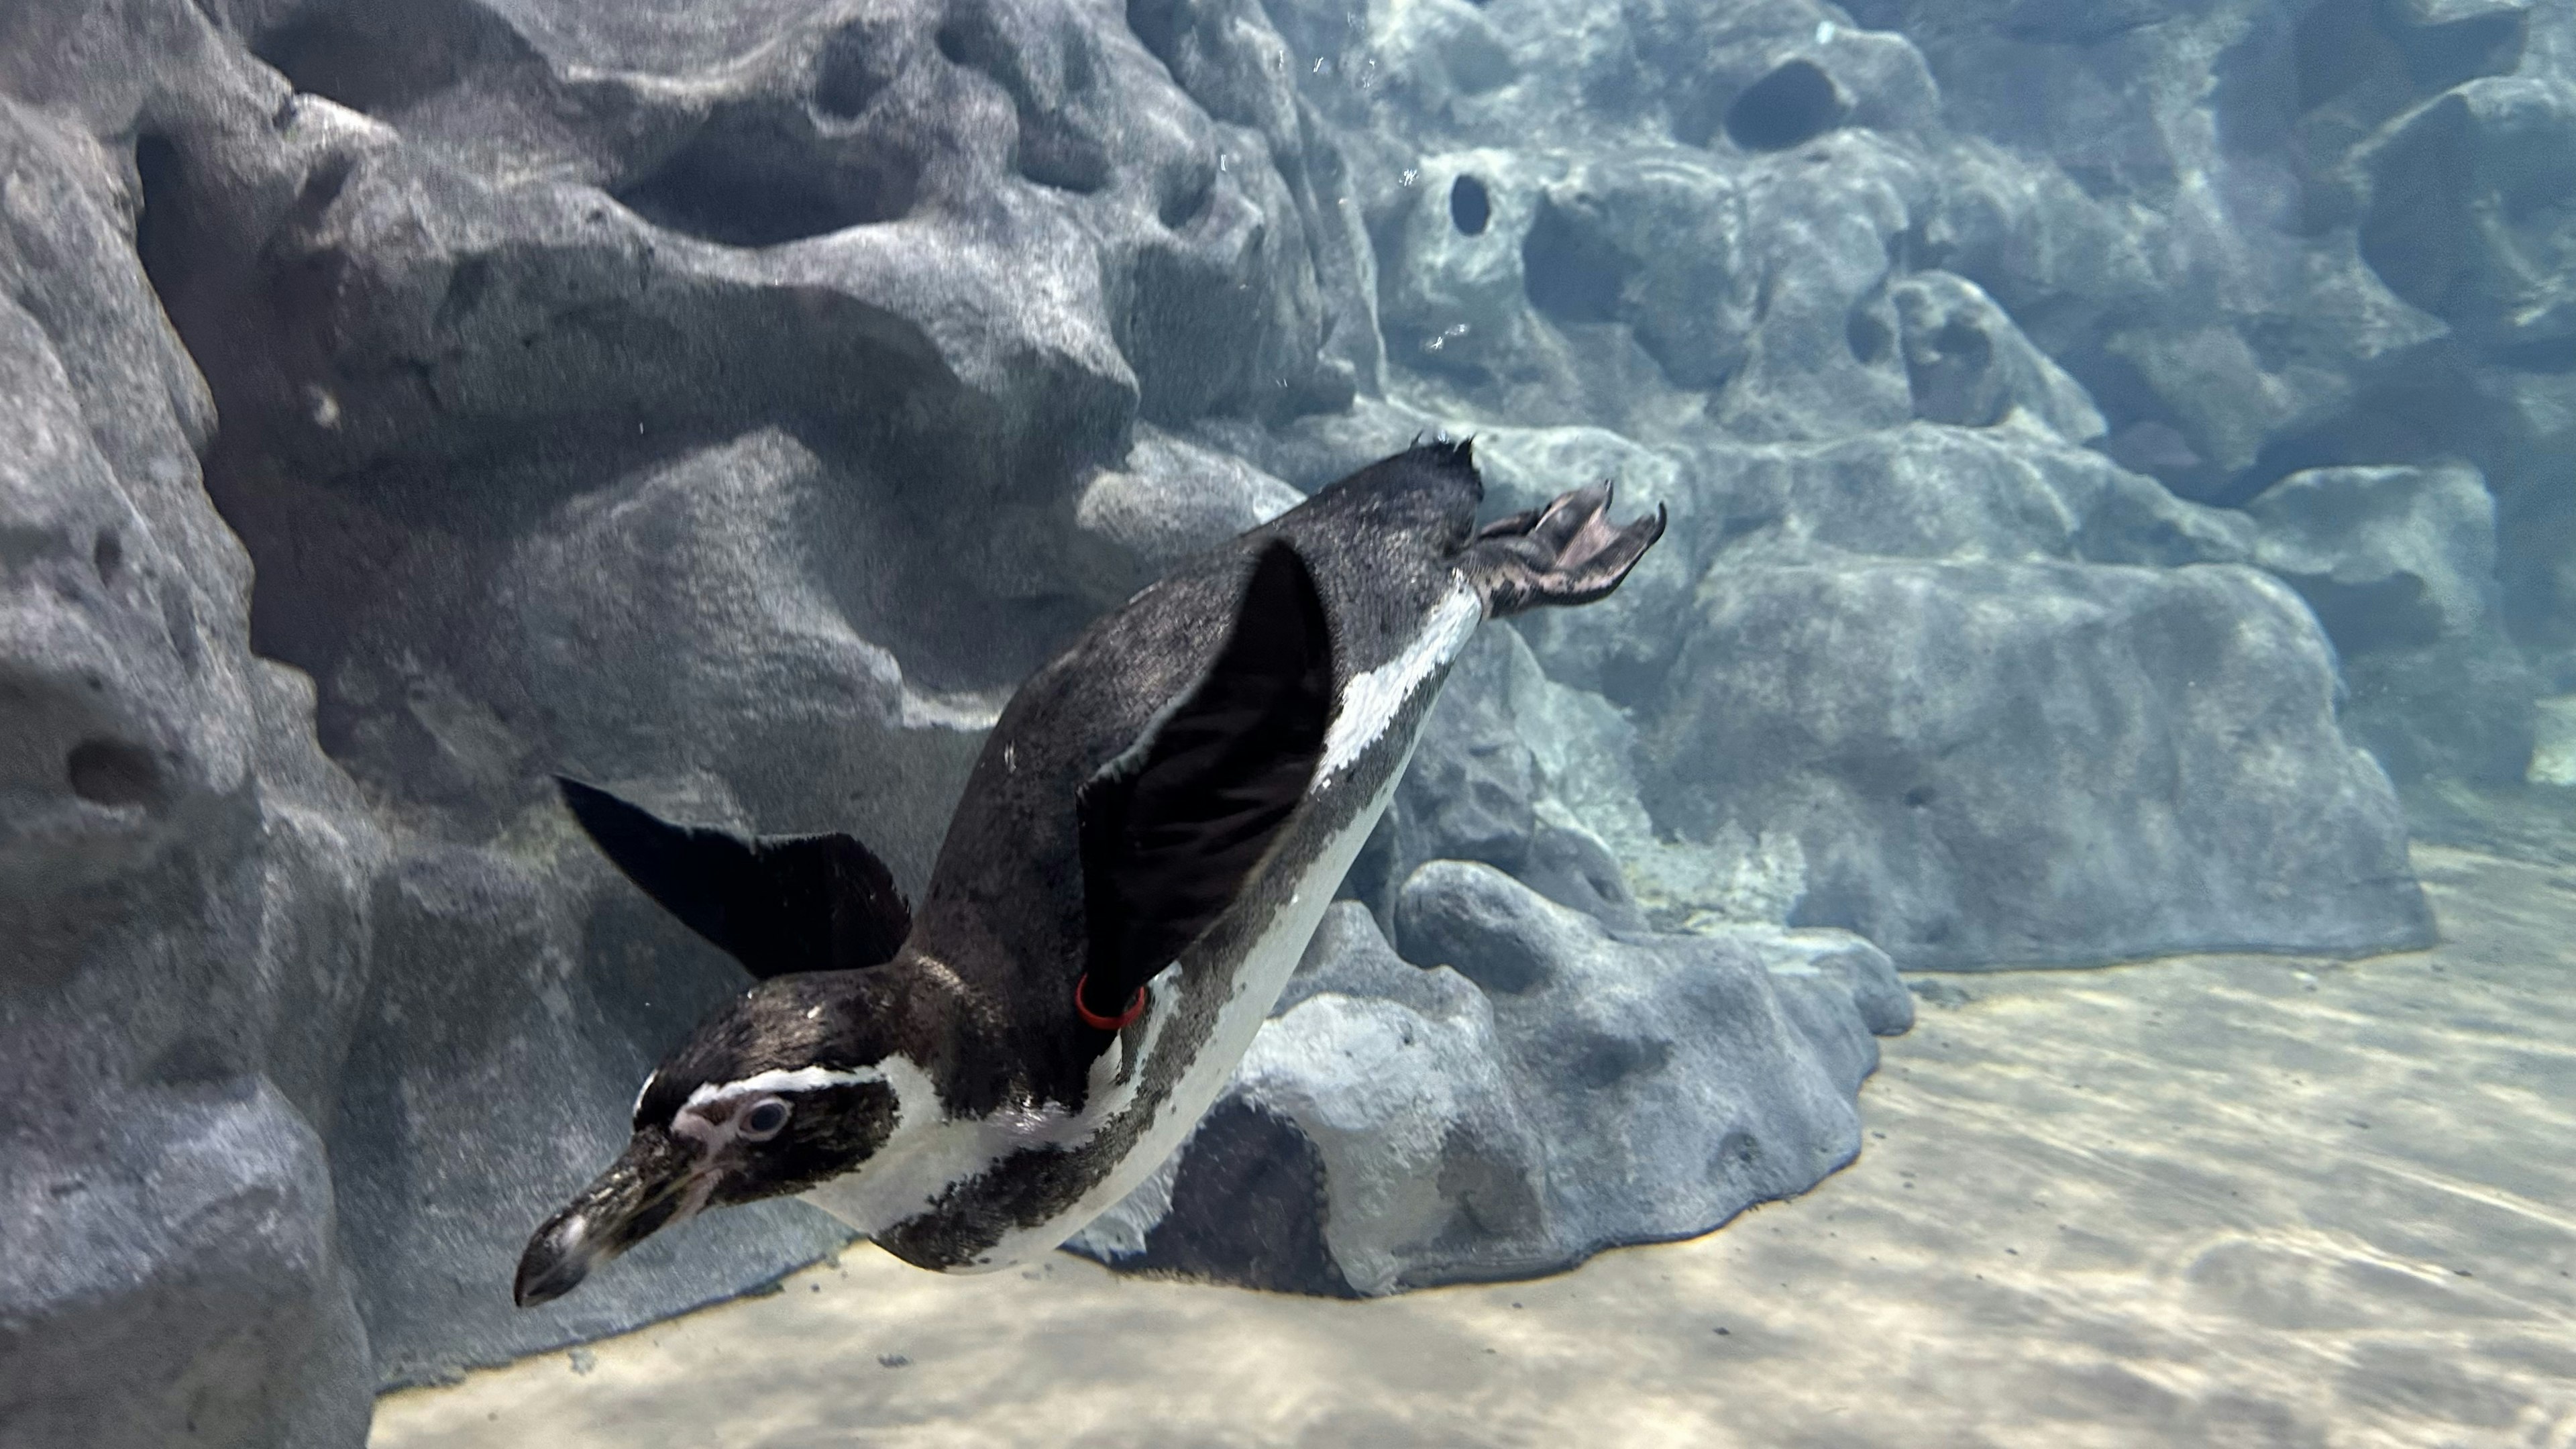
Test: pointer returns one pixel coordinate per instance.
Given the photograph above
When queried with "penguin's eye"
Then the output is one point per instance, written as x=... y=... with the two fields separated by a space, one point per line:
x=764 y=1119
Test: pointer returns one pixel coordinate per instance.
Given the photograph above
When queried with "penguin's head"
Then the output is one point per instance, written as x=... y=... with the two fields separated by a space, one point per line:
x=794 y=1082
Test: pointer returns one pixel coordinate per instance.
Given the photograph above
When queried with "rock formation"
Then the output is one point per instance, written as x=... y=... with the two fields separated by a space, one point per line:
x=2106 y=441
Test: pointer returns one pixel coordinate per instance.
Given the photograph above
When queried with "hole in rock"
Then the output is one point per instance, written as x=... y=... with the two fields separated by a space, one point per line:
x=1571 y=273
x=107 y=555
x=1157 y=24
x=756 y=186
x=1792 y=105
x=322 y=186
x=112 y=772
x=1248 y=1202
x=383 y=59
x=2439 y=54
x=1186 y=194
x=851 y=75
x=1605 y=1061
x=179 y=618
x=2333 y=48
x=157 y=240
x=1470 y=205
x=1868 y=338
x=1050 y=155
x=2390 y=613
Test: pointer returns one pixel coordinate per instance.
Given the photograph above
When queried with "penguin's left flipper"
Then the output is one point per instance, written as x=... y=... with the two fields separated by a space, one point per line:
x=1171 y=829
x=1565 y=553
x=775 y=903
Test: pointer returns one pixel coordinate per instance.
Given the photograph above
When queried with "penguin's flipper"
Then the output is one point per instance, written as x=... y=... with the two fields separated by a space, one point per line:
x=776 y=903
x=1565 y=553
x=1172 y=828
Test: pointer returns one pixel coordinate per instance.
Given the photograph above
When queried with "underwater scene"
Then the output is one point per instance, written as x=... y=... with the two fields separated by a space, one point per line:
x=852 y=724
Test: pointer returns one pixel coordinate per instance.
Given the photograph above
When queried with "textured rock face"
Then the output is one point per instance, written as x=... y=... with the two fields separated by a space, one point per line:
x=2001 y=763
x=730 y=401
x=1558 y=1091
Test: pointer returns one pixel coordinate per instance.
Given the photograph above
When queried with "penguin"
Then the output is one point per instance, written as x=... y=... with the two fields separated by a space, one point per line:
x=1143 y=847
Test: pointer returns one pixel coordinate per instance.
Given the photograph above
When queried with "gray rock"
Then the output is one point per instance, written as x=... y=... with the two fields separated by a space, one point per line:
x=182 y=879
x=1470 y=793
x=2000 y=763
x=1776 y=74
x=1476 y=791
x=2446 y=41
x=1171 y=499
x=1654 y=242
x=2458 y=710
x=2470 y=210
x=1826 y=222
x=189 y=1228
x=1573 y=868
x=1968 y=364
x=1549 y=1091
x=2399 y=565
x=2386 y=556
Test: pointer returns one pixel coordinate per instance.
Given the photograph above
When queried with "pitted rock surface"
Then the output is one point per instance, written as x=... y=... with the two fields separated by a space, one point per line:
x=731 y=402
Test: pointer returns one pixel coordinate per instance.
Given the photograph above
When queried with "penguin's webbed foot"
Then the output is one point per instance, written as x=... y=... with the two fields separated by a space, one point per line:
x=1565 y=553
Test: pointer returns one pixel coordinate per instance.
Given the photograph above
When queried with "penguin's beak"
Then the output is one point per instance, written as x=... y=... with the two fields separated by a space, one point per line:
x=655 y=1182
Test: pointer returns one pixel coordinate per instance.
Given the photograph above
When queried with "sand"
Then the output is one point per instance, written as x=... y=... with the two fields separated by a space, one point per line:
x=2222 y=1201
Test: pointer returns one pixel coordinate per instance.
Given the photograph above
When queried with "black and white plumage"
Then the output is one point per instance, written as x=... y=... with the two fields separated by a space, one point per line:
x=1166 y=808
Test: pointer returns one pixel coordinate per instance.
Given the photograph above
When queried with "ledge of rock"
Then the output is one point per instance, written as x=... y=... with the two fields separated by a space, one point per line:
x=1538 y=1090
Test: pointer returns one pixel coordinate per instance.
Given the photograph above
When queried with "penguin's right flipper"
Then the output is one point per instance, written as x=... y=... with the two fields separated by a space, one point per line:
x=1170 y=830
x=775 y=903
x=1565 y=553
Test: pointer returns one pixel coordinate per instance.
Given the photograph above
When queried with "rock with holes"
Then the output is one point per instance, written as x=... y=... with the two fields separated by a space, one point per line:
x=1997 y=763
x=182 y=877
x=644 y=392
x=1823 y=362
x=1966 y=363
x=1776 y=75
x=1537 y=1090
x=1656 y=243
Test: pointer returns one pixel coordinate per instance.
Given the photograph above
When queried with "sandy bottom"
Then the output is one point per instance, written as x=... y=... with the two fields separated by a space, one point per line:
x=2220 y=1201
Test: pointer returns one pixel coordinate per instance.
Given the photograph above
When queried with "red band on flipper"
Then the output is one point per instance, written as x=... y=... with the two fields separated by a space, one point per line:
x=1120 y=1022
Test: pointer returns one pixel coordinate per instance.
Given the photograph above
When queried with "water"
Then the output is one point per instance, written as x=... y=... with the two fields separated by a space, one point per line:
x=2037 y=915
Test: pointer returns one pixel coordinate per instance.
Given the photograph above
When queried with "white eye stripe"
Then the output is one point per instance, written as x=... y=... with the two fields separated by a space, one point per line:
x=802 y=1079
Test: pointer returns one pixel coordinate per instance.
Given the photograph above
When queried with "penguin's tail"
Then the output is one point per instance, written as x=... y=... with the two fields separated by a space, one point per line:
x=1566 y=553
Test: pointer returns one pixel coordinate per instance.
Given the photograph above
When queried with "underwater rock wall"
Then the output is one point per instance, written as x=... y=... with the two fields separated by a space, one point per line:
x=2105 y=441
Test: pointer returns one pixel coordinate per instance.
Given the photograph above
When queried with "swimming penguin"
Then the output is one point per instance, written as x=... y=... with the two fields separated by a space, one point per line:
x=1149 y=837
